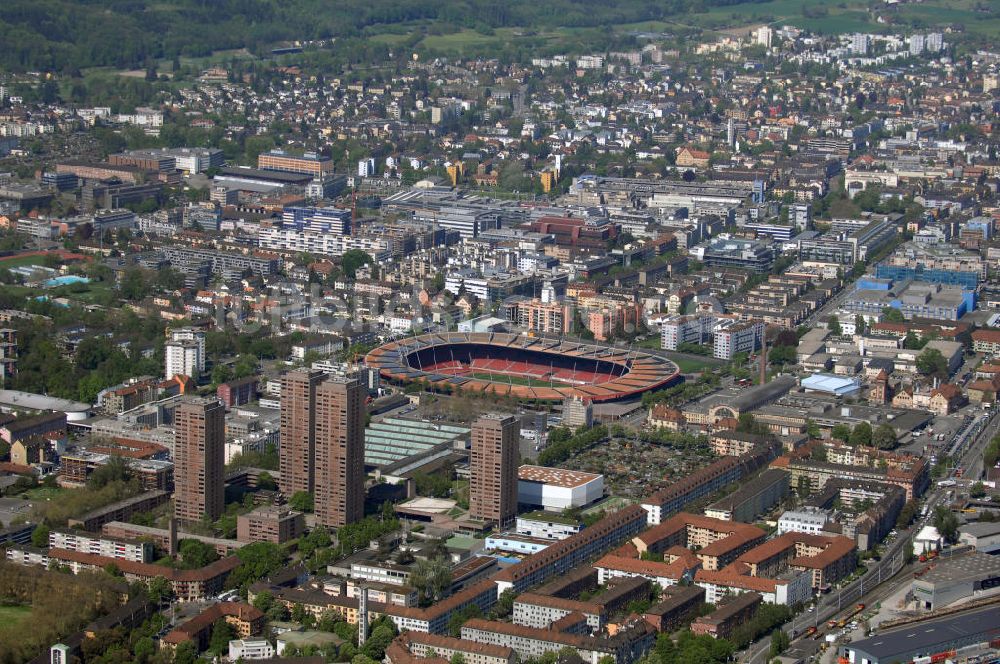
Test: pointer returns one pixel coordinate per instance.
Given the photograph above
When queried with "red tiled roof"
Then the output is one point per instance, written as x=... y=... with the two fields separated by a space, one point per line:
x=207 y=618
x=221 y=566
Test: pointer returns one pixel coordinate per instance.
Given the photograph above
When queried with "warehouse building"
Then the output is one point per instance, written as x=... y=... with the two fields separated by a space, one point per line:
x=956 y=578
x=985 y=536
x=935 y=640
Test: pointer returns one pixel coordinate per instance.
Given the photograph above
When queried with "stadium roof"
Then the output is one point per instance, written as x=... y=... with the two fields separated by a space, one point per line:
x=634 y=372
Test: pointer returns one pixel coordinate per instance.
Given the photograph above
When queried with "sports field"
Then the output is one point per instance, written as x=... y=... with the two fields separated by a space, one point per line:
x=516 y=380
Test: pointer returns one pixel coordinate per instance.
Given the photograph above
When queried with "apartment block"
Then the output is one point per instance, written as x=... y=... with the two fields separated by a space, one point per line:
x=493 y=487
x=270 y=524
x=199 y=455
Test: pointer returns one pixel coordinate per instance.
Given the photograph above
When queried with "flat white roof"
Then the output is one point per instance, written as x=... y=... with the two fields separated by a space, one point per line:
x=31 y=401
x=556 y=476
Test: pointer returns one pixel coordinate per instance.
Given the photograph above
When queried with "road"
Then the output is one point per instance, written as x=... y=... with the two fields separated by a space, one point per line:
x=840 y=600
x=971 y=460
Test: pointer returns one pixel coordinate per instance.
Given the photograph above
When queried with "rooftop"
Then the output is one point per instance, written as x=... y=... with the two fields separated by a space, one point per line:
x=556 y=476
x=970 y=567
x=929 y=635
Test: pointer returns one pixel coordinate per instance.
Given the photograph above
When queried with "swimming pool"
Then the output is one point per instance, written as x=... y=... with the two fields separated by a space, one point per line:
x=66 y=280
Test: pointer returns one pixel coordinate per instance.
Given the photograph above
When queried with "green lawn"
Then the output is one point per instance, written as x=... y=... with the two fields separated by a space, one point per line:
x=84 y=293
x=42 y=493
x=11 y=616
x=21 y=261
x=690 y=364
x=518 y=380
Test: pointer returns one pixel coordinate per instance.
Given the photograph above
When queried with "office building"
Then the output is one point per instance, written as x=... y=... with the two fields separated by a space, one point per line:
x=807 y=521
x=743 y=254
x=109 y=547
x=298 y=419
x=494 y=484
x=366 y=168
x=199 y=455
x=338 y=460
x=325 y=220
x=308 y=164
x=753 y=498
x=914 y=299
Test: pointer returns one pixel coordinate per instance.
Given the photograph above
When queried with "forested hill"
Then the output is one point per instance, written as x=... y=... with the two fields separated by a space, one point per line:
x=64 y=35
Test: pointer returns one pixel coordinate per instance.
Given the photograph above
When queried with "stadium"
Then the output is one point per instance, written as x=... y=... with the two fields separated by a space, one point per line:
x=522 y=367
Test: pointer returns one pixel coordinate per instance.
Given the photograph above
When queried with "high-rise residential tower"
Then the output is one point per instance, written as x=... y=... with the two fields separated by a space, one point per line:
x=493 y=466
x=199 y=459
x=297 y=438
x=339 y=458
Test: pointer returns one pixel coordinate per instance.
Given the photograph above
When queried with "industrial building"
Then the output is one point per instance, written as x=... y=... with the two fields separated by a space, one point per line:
x=955 y=578
x=937 y=639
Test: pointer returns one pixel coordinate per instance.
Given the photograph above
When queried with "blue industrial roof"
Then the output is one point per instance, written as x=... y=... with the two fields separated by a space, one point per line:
x=829 y=383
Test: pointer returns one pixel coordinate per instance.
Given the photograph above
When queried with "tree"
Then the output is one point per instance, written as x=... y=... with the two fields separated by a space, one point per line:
x=301 y=501
x=804 y=487
x=859 y=324
x=504 y=606
x=911 y=341
x=144 y=649
x=431 y=577
x=747 y=423
x=946 y=523
x=40 y=536
x=159 y=589
x=833 y=324
x=812 y=429
x=781 y=355
x=892 y=315
x=222 y=634
x=841 y=432
x=266 y=482
x=977 y=490
x=779 y=641
x=195 y=554
x=861 y=435
x=884 y=437
x=907 y=514
x=379 y=639
x=257 y=561
x=354 y=259
x=458 y=618
x=115 y=470
x=932 y=363
x=185 y=653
